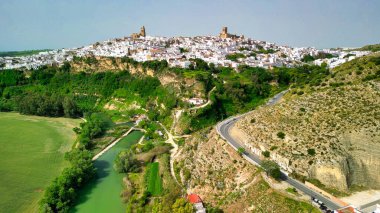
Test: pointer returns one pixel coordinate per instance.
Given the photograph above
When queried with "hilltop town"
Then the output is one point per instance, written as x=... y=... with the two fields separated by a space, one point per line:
x=226 y=50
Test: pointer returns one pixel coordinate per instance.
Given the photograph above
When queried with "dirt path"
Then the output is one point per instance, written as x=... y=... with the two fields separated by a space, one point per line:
x=205 y=104
x=112 y=144
x=173 y=152
x=176 y=116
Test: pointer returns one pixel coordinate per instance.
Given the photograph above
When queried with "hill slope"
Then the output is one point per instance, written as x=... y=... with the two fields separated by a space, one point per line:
x=208 y=166
x=329 y=132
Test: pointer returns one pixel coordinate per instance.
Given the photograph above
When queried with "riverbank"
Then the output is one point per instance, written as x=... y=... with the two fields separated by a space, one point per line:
x=103 y=193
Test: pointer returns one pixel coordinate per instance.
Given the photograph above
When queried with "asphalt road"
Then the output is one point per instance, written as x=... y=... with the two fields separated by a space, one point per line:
x=223 y=128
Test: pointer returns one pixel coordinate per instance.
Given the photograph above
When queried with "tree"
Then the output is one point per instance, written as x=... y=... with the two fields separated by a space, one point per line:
x=307 y=58
x=70 y=108
x=266 y=154
x=60 y=195
x=66 y=67
x=271 y=168
x=240 y=151
x=182 y=206
x=125 y=162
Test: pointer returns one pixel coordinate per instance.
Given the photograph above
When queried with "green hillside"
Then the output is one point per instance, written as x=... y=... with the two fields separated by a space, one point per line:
x=21 y=53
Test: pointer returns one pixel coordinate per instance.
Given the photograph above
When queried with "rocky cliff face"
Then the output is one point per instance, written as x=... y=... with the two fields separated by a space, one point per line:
x=101 y=64
x=331 y=133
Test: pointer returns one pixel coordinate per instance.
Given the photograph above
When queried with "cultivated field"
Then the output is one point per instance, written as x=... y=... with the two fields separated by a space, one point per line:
x=153 y=179
x=31 y=155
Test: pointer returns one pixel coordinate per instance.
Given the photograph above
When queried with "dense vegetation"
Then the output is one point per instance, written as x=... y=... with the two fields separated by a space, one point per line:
x=320 y=55
x=51 y=91
x=55 y=92
x=238 y=92
x=21 y=53
x=61 y=194
x=235 y=56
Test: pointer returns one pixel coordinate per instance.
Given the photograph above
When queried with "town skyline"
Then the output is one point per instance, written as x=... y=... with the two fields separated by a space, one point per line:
x=72 y=24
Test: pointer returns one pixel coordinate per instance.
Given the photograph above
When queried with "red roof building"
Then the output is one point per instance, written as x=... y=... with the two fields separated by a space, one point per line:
x=193 y=198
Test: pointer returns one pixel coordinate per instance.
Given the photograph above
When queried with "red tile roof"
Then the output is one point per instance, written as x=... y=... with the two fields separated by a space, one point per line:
x=193 y=198
x=348 y=209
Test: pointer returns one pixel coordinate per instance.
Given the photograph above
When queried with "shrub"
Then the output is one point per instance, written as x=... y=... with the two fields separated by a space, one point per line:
x=281 y=135
x=311 y=152
x=266 y=154
x=241 y=151
x=292 y=190
x=273 y=148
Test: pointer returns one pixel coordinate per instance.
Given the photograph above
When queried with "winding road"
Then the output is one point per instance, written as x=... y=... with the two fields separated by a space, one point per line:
x=223 y=128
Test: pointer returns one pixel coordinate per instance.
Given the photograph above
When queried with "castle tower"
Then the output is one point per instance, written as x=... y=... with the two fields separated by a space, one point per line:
x=142 y=31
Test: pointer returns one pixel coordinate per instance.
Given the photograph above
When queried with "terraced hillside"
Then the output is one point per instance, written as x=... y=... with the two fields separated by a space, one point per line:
x=329 y=131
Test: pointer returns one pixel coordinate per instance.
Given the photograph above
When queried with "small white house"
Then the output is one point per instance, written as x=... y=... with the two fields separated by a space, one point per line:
x=196 y=101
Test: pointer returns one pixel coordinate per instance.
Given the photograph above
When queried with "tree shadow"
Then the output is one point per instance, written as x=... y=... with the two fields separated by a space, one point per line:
x=103 y=169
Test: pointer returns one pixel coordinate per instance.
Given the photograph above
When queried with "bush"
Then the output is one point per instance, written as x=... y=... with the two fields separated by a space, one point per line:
x=240 y=151
x=273 y=148
x=311 y=152
x=291 y=190
x=266 y=154
x=281 y=135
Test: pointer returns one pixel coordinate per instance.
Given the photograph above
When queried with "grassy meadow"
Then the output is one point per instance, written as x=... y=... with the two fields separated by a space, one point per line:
x=31 y=156
x=153 y=179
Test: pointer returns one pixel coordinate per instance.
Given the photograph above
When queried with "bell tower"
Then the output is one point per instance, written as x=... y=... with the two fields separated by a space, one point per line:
x=142 y=31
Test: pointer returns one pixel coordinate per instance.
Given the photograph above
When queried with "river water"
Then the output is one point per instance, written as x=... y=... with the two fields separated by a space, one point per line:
x=103 y=194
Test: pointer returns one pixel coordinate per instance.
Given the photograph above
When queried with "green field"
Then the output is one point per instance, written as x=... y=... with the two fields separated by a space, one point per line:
x=31 y=156
x=153 y=179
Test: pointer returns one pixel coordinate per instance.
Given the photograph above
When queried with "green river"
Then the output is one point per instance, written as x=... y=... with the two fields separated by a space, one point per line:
x=103 y=194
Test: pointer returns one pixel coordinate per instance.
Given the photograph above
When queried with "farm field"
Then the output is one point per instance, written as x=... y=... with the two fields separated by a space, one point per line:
x=31 y=155
x=153 y=179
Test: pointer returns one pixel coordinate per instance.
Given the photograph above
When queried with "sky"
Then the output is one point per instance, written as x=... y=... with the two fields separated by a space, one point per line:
x=40 y=24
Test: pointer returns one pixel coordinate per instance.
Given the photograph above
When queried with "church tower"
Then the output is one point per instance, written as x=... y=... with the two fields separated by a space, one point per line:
x=142 y=31
x=224 y=30
x=224 y=33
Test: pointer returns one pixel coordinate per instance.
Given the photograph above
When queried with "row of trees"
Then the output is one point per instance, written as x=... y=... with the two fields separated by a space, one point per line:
x=48 y=105
x=62 y=192
x=95 y=126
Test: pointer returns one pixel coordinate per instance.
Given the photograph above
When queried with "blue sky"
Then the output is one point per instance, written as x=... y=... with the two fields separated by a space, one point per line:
x=37 y=24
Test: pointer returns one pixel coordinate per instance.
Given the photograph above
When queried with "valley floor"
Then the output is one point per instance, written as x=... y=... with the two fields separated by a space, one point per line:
x=31 y=155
